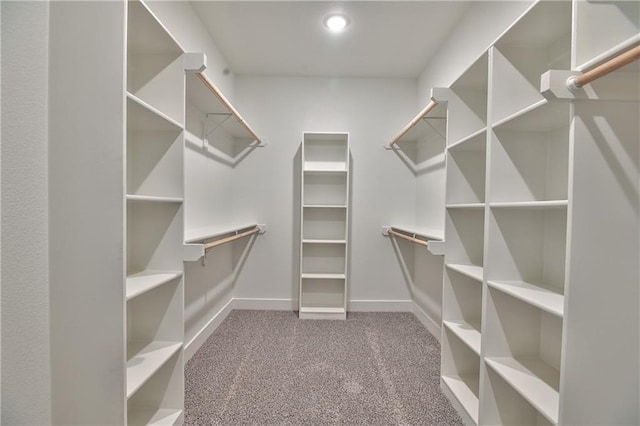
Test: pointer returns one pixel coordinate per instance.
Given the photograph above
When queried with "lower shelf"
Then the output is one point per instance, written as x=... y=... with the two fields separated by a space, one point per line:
x=533 y=379
x=466 y=332
x=317 y=312
x=471 y=271
x=150 y=416
x=144 y=359
x=465 y=388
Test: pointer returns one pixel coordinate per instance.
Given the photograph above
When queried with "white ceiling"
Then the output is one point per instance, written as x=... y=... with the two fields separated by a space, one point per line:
x=384 y=39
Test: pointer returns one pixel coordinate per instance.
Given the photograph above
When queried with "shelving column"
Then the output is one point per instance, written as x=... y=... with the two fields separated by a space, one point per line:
x=462 y=293
x=324 y=226
x=154 y=221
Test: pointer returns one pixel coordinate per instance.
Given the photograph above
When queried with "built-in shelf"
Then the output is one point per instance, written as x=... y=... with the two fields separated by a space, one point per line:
x=540 y=115
x=544 y=297
x=323 y=169
x=465 y=389
x=472 y=271
x=206 y=233
x=533 y=379
x=324 y=206
x=150 y=417
x=466 y=206
x=416 y=232
x=144 y=281
x=321 y=310
x=144 y=359
x=153 y=199
x=141 y=115
x=473 y=142
x=551 y=204
x=318 y=276
x=316 y=241
x=468 y=333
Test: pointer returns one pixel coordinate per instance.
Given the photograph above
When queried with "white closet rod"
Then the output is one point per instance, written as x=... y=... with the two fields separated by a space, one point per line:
x=575 y=82
x=231 y=238
x=205 y=80
x=408 y=238
x=413 y=122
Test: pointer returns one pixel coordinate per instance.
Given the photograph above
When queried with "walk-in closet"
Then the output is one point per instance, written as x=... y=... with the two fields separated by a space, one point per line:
x=314 y=212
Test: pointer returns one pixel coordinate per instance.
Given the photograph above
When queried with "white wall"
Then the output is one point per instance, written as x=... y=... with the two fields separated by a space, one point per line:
x=266 y=183
x=26 y=396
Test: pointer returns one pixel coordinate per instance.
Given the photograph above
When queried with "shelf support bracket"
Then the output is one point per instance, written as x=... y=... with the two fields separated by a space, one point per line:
x=619 y=86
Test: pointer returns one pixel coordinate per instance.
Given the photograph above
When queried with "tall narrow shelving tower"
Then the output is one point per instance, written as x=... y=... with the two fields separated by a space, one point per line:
x=154 y=217
x=324 y=226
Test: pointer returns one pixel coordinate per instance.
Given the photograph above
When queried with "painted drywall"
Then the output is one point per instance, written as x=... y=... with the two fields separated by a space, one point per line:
x=183 y=23
x=266 y=183
x=26 y=396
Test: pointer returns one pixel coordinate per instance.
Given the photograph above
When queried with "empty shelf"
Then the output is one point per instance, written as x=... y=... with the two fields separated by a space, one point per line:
x=322 y=310
x=532 y=378
x=549 y=204
x=323 y=168
x=471 y=271
x=310 y=241
x=538 y=295
x=323 y=276
x=466 y=206
x=153 y=198
x=144 y=281
x=149 y=416
x=144 y=359
x=465 y=332
x=325 y=206
x=461 y=387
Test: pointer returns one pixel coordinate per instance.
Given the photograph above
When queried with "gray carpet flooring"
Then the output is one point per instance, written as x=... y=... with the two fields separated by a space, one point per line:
x=270 y=368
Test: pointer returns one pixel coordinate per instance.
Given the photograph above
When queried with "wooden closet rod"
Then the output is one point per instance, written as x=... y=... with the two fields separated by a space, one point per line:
x=413 y=122
x=231 y=238
x=408 y=238
x=205 y=80
x=601 y=70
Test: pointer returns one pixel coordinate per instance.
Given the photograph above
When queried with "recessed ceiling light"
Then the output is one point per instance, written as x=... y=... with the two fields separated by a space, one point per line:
x=336 y=22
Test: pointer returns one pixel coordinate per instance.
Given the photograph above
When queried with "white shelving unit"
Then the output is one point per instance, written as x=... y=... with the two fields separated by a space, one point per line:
x=324 y=226
x=154 y=165
x=535 y=189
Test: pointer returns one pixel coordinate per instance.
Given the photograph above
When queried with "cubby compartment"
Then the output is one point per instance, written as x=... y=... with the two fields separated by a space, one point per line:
x=464 y=230
x=154 y=332
x=324 y=224
x=160 y=399
x=466 y=169
x=325 y=151
x=322 y=293
x=154 y=153
x=503 y=406
x=467 y=107
x=154 y=236
x=460 y=369
x=323 y=259
x=539 y=41
x=530 y=156
x=523 y=346
x=462 y=307
x=527 y=251
x=601 y=27
x=155 y=72
x=325 y=189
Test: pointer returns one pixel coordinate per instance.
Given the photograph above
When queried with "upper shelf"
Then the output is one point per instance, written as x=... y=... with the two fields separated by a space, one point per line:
x=217 y=111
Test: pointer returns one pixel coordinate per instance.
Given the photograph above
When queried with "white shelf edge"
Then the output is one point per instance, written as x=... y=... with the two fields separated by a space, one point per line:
x=608 y=54
x=154 y=355
x=540 y=296
x=153 y=199
x=142 y=282
x=322 y=310
x=154 y=110
x=324 y=206
x=150 y=416
x=460 y=389
x=466 y=139
x=472 y=271
x=549 y=204
x=323 y=170
x=314 y=276
x=465 y=332
x=538 y=104
x=465 y=206
x=431 y=236
x=526 y=380
x=312 y=241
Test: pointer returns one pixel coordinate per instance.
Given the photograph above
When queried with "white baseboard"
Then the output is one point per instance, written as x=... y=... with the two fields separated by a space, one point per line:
x=194 y=344
x=379 y=306
x=427 y=321
x=265 y=304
